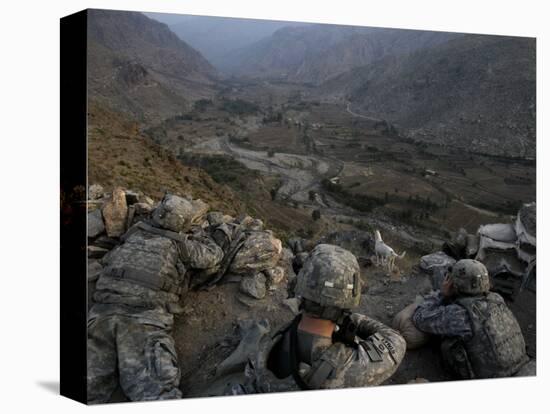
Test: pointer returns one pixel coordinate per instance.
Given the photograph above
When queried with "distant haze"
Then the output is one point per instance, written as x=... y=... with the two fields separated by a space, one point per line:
x=218 y=37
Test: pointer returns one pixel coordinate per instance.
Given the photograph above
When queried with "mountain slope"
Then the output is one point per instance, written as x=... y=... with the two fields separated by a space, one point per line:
x=316 y=53
x=140 y=67
x=217 y=38
x=119 y=155
x=475 y=92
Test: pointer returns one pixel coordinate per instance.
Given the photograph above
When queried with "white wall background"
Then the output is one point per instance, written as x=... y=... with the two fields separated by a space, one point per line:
x=29 y=175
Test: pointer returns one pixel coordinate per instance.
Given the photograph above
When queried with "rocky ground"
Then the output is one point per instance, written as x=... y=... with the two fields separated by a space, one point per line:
x=209 y=328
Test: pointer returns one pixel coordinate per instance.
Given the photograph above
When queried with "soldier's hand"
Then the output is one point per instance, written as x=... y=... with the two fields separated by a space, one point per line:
x=447 y=286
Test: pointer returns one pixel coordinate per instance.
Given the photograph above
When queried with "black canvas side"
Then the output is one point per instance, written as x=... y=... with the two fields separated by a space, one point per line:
x=73 y=96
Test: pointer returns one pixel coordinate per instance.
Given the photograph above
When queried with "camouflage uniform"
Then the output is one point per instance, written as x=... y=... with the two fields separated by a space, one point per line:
x=130 y=324
x=481 y=336
x=329 y=284
x=437 y=317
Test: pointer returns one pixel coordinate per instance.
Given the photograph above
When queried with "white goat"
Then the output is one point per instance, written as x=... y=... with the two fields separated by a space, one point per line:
x=385 y=255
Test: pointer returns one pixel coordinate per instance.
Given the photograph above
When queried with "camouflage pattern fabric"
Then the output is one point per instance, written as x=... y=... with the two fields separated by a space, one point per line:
x=482 y=338
x=260 y=251
x=178 y=213
x=150 y=256
x=330 y=277
x=380 y=351
x=129 y=330
x=372 y=360
x=497 y=348
x=201 y=252
x=434 y=316
x=133 y=349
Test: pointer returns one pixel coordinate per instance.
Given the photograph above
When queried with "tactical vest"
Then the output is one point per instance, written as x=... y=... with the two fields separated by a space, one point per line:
x=497 y=347
x=149 y=257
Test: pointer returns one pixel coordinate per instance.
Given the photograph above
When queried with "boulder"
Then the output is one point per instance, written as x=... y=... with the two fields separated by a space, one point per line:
x=115 y=211
x=95 y=224
x=130 y=217
x=146 y=200
x=106 y=242
x=143 y=208
x=95 y=191
x=254 y=286
x=131 y=197
x=95 y=252
x=215 y=218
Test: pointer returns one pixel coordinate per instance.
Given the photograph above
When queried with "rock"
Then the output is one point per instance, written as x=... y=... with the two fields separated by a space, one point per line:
x=94 y=270
x=95 y=252
x=93 y=205
x=250 y=223
x=146 y=200
x=115 y=212
x=95 y=224
x=95 y=191
x=214 y=218
x=130 y=218
x=293 y=304
x=143 y=209
x=131 y=197
x=105 y=242
x=254 y=286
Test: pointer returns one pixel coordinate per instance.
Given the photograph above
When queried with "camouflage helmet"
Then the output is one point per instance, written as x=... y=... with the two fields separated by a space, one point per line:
x=470 y=277
x=330 y=278
x=179 y=214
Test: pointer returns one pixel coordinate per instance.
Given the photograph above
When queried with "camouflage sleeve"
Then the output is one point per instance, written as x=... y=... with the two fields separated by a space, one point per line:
x=435 y=317
x=376 y=358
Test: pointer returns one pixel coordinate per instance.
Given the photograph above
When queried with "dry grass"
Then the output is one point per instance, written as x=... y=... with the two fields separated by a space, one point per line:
x=118 y=155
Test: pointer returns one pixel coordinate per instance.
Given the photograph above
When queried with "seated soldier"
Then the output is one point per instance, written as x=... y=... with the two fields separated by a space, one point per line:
x=481 y=338
x=326 y=346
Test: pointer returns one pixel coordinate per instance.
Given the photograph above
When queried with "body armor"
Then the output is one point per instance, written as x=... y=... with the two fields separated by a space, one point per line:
x=497 y=347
